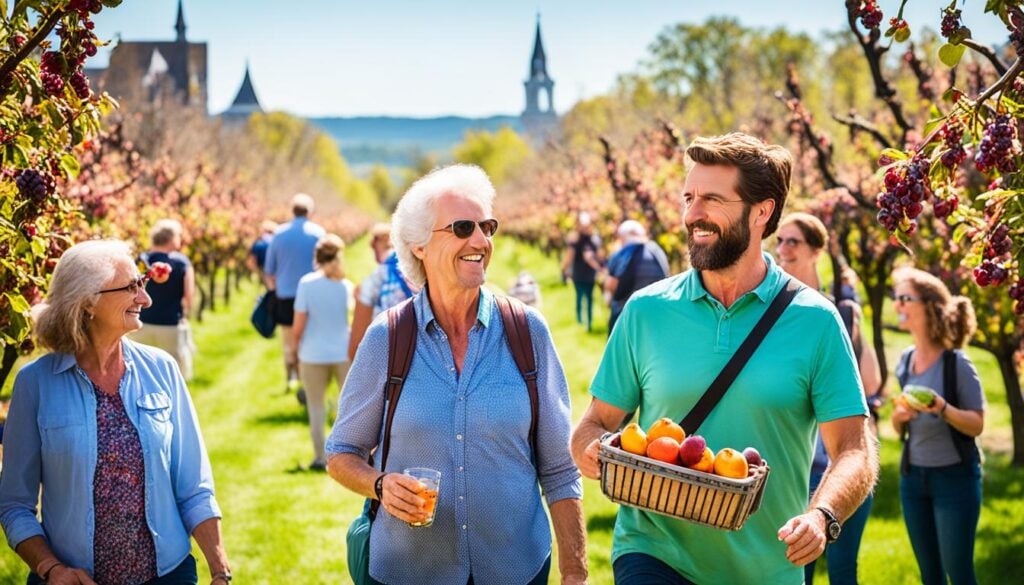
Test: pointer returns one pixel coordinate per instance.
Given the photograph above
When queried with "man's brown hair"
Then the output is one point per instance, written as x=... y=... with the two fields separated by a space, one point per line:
x=764 y=168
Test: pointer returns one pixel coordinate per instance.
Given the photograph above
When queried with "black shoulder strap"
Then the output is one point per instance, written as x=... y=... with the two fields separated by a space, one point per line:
x=732 y=369
x=517 y=334
x=401 y=346
x=965 y=445
x=902 y=378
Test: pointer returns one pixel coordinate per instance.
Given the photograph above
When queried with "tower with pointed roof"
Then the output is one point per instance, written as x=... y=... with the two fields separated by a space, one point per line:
x=246 y=103
x=157 y=71
x=539 y=119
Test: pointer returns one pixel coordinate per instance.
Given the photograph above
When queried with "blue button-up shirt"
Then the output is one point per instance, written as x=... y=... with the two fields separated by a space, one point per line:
x=50 y=441
x=474 y=428
x=290 y=254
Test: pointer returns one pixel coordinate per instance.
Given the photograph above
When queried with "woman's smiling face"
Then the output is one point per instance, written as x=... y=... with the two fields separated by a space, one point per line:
x=118 y=311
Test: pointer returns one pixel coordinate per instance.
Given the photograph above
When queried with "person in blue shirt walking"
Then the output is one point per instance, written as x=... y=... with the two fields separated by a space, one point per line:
x=465 y=411
x=107 y=429
x=638 y=263
x=289 y=258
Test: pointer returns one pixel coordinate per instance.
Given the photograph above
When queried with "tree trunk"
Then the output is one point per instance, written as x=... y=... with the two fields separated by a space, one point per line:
x=213 y=290
x=7 y=362
x=227 y=286
x=1011 y=378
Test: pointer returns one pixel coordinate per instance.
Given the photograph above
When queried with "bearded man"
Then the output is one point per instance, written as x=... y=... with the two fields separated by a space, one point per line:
x=675 y=336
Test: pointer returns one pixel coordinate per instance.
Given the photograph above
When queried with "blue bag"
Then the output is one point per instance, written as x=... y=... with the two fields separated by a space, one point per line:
x=263 y=314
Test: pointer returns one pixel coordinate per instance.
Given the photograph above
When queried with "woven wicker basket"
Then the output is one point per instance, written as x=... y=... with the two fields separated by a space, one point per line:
x=675 y=491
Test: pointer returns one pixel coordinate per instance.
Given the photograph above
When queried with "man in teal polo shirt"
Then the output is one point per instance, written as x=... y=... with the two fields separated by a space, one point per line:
x=673 y=339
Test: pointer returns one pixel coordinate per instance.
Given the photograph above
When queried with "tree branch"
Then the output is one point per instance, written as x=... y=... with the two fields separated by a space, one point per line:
x=987 y=53
x=1007 y=77
x=860 y=123
x=42 y=32
x=873 y=52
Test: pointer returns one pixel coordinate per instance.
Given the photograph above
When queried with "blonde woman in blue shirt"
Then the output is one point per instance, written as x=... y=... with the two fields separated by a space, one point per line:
x=106 y=428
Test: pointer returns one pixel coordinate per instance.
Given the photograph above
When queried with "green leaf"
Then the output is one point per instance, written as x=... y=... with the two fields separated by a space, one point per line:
x=902 y=34
x=18 y=302
x=70 y=165
x=3 y=10
x=950 y=54
x=894 y=154
x=960 y=35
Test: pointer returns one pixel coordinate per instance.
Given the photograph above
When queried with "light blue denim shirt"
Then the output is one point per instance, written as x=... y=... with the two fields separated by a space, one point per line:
x=50 y=441
x=474 y=428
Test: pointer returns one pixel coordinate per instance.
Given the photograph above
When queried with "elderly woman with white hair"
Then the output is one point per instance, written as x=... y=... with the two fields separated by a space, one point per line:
x=638 y=263
x=106 y=428
x=464 y=411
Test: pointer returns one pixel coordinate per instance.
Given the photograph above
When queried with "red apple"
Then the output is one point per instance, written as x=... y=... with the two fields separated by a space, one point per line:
x=753 y=457
x=692 y=449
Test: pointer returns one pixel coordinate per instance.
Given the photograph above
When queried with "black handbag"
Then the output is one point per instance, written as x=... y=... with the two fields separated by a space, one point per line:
x=263 y=314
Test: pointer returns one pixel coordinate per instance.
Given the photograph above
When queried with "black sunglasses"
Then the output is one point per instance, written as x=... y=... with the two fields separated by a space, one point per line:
x=791 y=242
x=463 y=228
x=133 y=287
x=905 y=298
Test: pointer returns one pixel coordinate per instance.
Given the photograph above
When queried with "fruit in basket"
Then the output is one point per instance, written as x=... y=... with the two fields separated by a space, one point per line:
x=633 y=439
x=753 y=457
x=731 y=463
x=706 y=463
x=664 y=449
x=692 y=450
x=918 y=397
x=665 y=427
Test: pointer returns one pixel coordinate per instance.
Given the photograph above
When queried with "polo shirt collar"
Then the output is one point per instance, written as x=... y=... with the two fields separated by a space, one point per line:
x=425 y=314
x=694 y=289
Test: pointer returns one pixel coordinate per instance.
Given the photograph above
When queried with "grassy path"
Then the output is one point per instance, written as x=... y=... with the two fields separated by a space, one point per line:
x=284 y=526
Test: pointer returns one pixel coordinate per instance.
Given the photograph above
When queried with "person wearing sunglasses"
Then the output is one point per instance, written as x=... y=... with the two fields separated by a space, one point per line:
x=800 y=241
x=105 y=429
x=465 y=411
x=676 y=336
x=940 y=479
x=165 y=322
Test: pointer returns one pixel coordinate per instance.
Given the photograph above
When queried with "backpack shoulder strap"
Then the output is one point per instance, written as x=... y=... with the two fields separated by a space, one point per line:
x=517 y=334
x=907 y=359
x=949 y=382
x=401 y=346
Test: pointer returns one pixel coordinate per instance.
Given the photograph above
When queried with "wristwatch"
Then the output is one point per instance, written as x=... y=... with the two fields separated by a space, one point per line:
x=223 y=576
x=832 y=526
x=378 y=487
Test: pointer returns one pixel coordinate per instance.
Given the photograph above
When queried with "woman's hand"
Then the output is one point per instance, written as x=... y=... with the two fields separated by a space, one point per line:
x=400 y=496
x=63 y=575
x=902 y=413
x=937 y=407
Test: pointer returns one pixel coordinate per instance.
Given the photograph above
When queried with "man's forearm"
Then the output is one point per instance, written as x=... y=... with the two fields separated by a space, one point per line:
x=571 y=536
x=586 y=432
x=849 y=479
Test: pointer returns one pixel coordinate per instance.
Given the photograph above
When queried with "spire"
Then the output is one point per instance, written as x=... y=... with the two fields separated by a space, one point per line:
x=538 y=63
x=180 y=25
x=246 y=94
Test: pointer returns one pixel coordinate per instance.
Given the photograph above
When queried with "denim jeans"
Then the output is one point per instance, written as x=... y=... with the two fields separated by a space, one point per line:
x=841 y=555
x=641 y=569
x=941 y=506
x=184 y=574
x=584 y=293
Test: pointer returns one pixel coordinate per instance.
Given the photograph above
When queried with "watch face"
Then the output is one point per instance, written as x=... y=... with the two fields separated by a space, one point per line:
x=833 y=530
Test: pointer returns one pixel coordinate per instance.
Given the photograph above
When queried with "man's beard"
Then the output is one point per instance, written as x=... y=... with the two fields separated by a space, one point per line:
x=731 y=245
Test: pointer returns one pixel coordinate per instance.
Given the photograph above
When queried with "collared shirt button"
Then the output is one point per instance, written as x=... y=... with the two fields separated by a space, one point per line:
x=463 y=526
x=458 y=437
x=461 y=468
x=461 y=498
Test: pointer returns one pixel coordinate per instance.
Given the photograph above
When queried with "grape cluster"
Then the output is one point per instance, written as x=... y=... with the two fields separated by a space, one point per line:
x=870 y=14
x=58 y=69
x=999 y=242
x=35 y=185
x=997 y=150
x=901 y=202
x=84 y=7
x=990 y=273
x=1017 y=294
x=952 y=134
x=944 y=207
x=51 y=72
x=951 y=23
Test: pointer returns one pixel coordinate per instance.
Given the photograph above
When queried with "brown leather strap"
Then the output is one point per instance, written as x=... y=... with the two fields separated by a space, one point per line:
x=401 y=346
x=517 y=334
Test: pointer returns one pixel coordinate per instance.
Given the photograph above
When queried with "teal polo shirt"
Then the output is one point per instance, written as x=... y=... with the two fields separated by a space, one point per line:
x=672 y=340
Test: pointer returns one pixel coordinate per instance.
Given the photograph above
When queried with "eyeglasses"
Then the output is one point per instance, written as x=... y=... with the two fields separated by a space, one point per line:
x=463 y=228
x=790 y=242
x=133 y=287
x=905 y=298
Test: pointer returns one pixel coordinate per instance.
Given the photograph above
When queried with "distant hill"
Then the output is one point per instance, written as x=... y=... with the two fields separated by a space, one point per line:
x=396 y=142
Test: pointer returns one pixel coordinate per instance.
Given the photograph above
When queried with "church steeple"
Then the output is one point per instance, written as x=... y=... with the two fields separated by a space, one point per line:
x=246 y=102
x=538 y=62
x=180 y=25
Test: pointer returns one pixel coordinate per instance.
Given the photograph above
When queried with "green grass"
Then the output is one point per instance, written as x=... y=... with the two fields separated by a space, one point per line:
x=286 y=526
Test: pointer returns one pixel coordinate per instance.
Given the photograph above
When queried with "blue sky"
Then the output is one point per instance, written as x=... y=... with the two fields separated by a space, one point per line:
x=437 y=57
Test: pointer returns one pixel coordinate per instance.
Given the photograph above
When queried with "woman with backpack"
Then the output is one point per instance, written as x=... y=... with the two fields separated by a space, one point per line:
x=940 y=483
